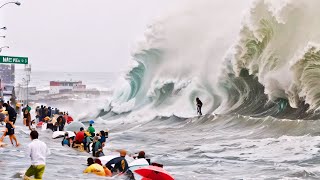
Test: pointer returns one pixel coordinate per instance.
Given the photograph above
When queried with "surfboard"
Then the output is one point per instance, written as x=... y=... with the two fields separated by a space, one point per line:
x=25 y=132
x=58 y=134
x=71 y=134
x=105 y=159
x=138 y=162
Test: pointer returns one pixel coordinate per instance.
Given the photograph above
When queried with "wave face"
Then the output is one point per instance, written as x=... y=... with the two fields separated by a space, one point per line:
x=272 y=69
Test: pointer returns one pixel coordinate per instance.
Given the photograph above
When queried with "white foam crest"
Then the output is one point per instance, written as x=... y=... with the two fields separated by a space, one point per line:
x=192 y=43
x=278 y=31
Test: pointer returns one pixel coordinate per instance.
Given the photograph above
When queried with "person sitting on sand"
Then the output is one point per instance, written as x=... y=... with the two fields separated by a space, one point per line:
x=120 y=163
x=9 y=130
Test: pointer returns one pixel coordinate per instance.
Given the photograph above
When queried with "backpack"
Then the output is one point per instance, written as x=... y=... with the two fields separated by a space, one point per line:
x=65 y=142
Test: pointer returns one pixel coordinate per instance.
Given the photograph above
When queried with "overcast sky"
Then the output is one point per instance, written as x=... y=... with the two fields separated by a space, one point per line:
x=79 y=35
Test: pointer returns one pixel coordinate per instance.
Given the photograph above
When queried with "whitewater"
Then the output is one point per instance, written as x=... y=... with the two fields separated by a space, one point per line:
x=256 y=72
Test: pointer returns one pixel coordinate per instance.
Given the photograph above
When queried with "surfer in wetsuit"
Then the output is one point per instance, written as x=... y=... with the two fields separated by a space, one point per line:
x=199 y=106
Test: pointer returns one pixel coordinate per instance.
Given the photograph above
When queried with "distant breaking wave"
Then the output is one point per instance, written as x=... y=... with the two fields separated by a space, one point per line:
x=272 y=69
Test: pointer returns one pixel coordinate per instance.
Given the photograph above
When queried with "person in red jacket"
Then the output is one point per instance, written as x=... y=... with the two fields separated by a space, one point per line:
x=79 y=137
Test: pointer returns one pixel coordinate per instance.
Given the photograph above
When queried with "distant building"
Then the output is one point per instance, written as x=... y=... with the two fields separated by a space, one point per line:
x=7 y=74
x=7 y=80
x=57 y=87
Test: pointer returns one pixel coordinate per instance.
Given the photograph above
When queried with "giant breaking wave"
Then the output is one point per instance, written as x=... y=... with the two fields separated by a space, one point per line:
x=271 y=69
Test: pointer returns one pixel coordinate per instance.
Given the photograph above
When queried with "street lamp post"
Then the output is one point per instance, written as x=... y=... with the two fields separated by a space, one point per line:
x=3 y=48
x=27 y=94
x=16 y=2
x=27 y=69
x=5 y=28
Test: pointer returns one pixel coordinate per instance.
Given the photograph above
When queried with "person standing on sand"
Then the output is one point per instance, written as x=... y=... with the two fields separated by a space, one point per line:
x=199 y=106
x=37 y=151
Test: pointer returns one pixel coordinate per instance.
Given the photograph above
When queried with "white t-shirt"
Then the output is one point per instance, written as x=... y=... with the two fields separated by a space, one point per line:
x=38 y=151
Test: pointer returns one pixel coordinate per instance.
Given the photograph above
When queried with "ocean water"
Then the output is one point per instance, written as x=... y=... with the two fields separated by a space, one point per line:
x=260 y=91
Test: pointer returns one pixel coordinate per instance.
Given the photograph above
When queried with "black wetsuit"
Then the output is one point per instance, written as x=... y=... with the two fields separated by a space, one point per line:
x=120 y=164
x=12 y=114
x=199 y=106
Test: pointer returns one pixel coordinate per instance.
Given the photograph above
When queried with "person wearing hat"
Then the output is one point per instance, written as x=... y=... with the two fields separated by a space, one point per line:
x=120 y=163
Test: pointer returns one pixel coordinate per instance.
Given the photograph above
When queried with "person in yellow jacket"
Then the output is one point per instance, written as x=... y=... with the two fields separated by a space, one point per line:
x=97 y=169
